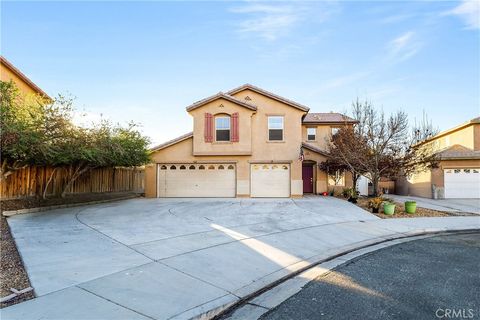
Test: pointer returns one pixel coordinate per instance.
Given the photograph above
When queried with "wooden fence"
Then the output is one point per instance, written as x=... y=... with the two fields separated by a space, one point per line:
x=31 y=181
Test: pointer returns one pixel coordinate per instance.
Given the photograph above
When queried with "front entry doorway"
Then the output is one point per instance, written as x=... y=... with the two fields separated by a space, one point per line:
x=307 y=176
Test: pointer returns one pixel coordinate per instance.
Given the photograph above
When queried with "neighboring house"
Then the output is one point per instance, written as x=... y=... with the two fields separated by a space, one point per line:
x=458 y=174
x=8 y=72
x=247 y=142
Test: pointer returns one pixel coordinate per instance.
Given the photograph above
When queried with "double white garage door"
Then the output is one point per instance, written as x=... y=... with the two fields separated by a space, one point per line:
x=462 y=183
x=219 y=180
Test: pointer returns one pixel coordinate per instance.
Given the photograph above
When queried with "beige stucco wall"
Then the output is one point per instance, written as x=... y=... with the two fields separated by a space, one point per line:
x=464 y=137
x=476 y=137
x=321 y=177
x=6 y=75
x=324 y=133
x=425 y=184
x=217 y=108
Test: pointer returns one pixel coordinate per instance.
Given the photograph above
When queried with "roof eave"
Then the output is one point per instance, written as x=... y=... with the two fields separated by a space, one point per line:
x=172 y=142
x=22 y=76
x=220 y=95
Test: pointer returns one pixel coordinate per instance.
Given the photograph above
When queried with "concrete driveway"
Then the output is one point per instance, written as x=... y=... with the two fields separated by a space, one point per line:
x=447 y=205
x=174 y=259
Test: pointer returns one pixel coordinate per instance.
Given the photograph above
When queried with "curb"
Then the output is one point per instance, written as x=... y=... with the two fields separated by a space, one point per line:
x=61 y=206
x=243 y=308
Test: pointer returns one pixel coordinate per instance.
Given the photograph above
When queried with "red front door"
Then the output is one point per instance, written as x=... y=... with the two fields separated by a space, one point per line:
x=307 y=176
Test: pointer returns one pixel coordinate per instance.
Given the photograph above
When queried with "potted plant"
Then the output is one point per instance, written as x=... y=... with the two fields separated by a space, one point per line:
x=388 y=208
x=353 y=195
x=375 y=204
x=410 y=207
x=347 y=192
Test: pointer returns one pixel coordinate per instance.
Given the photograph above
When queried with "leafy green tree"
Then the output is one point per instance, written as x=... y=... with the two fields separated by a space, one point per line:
x=40 y=132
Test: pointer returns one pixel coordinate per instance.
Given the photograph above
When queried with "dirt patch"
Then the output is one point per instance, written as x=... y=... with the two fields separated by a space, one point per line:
x=400 y=211
x=17 y=204
x=12 y=272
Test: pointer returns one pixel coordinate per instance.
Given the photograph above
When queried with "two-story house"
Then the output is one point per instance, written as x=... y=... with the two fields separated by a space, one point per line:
x=247 y=142
x=458 y=172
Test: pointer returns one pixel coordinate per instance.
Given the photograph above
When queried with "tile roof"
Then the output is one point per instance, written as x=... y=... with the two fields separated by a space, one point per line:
x=217 y=96
x=270 y=95
x=458 y=152
x=329 y=117
x=315 y=149
x=172 y=142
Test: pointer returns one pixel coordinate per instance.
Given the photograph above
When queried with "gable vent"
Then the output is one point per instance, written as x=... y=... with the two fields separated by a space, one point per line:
x=247 y=98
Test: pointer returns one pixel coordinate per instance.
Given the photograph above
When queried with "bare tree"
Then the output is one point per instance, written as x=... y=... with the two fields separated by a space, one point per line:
x=380 y=146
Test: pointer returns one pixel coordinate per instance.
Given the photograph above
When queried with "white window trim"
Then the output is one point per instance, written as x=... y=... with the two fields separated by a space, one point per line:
x=229 y=128
x=268 y=128
x=314 y=134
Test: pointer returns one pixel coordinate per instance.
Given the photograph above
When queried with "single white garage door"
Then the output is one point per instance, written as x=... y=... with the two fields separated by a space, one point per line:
x=196 y=180
x=270 y=180
x=462 y=183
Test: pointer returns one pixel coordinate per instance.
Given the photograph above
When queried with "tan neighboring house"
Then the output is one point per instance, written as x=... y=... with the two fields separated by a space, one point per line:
x=458 y=174
x=247 y=142
x=8 y=72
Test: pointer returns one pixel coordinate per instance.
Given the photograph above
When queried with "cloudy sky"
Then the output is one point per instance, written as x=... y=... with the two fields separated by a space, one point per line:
x=146 y=61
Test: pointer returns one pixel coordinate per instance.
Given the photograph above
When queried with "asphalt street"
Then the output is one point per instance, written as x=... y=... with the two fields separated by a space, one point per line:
x=433 y=278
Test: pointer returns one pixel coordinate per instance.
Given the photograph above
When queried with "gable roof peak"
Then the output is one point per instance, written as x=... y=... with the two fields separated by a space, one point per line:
x=223 y=95
x=269 y=95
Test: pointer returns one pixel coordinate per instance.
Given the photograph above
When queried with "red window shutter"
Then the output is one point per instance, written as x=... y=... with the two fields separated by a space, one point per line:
x=208 y=127
x=234 y=126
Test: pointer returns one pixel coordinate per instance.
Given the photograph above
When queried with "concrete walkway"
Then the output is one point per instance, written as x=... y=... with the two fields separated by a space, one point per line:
x=447 y=205
x=177 y=259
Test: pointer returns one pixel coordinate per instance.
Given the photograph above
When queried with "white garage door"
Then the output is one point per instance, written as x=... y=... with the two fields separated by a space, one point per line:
x=270 y=180
x=462 y=183
x=196 y=180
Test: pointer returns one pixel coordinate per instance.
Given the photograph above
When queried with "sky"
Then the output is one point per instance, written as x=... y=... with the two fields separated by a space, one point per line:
x=146 y=61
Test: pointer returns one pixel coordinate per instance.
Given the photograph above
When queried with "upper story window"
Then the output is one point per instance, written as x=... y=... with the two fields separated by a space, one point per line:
x=311 y=134
x=222 y=128
x=275 y=128
x=334 y=130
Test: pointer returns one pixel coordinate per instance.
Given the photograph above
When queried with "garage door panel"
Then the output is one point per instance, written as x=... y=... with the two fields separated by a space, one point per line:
x=270 y=180
x=462 y=183
x=197 y=181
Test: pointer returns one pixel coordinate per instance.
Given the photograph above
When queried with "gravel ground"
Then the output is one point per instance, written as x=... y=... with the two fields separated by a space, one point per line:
x=400 y=211
x=17 y=204
x=12 y=273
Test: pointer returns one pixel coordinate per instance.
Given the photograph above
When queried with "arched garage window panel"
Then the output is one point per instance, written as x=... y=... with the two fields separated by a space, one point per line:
x=211 y=167
x=164 y=167
x=222 y=128
x=182 y=167
x=202 y=167
x=230 y=167
x=173 y=168
x=192 y=167
x=221 y=167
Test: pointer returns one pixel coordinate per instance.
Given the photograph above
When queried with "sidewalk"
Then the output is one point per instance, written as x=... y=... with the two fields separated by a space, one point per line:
x=206 y=281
